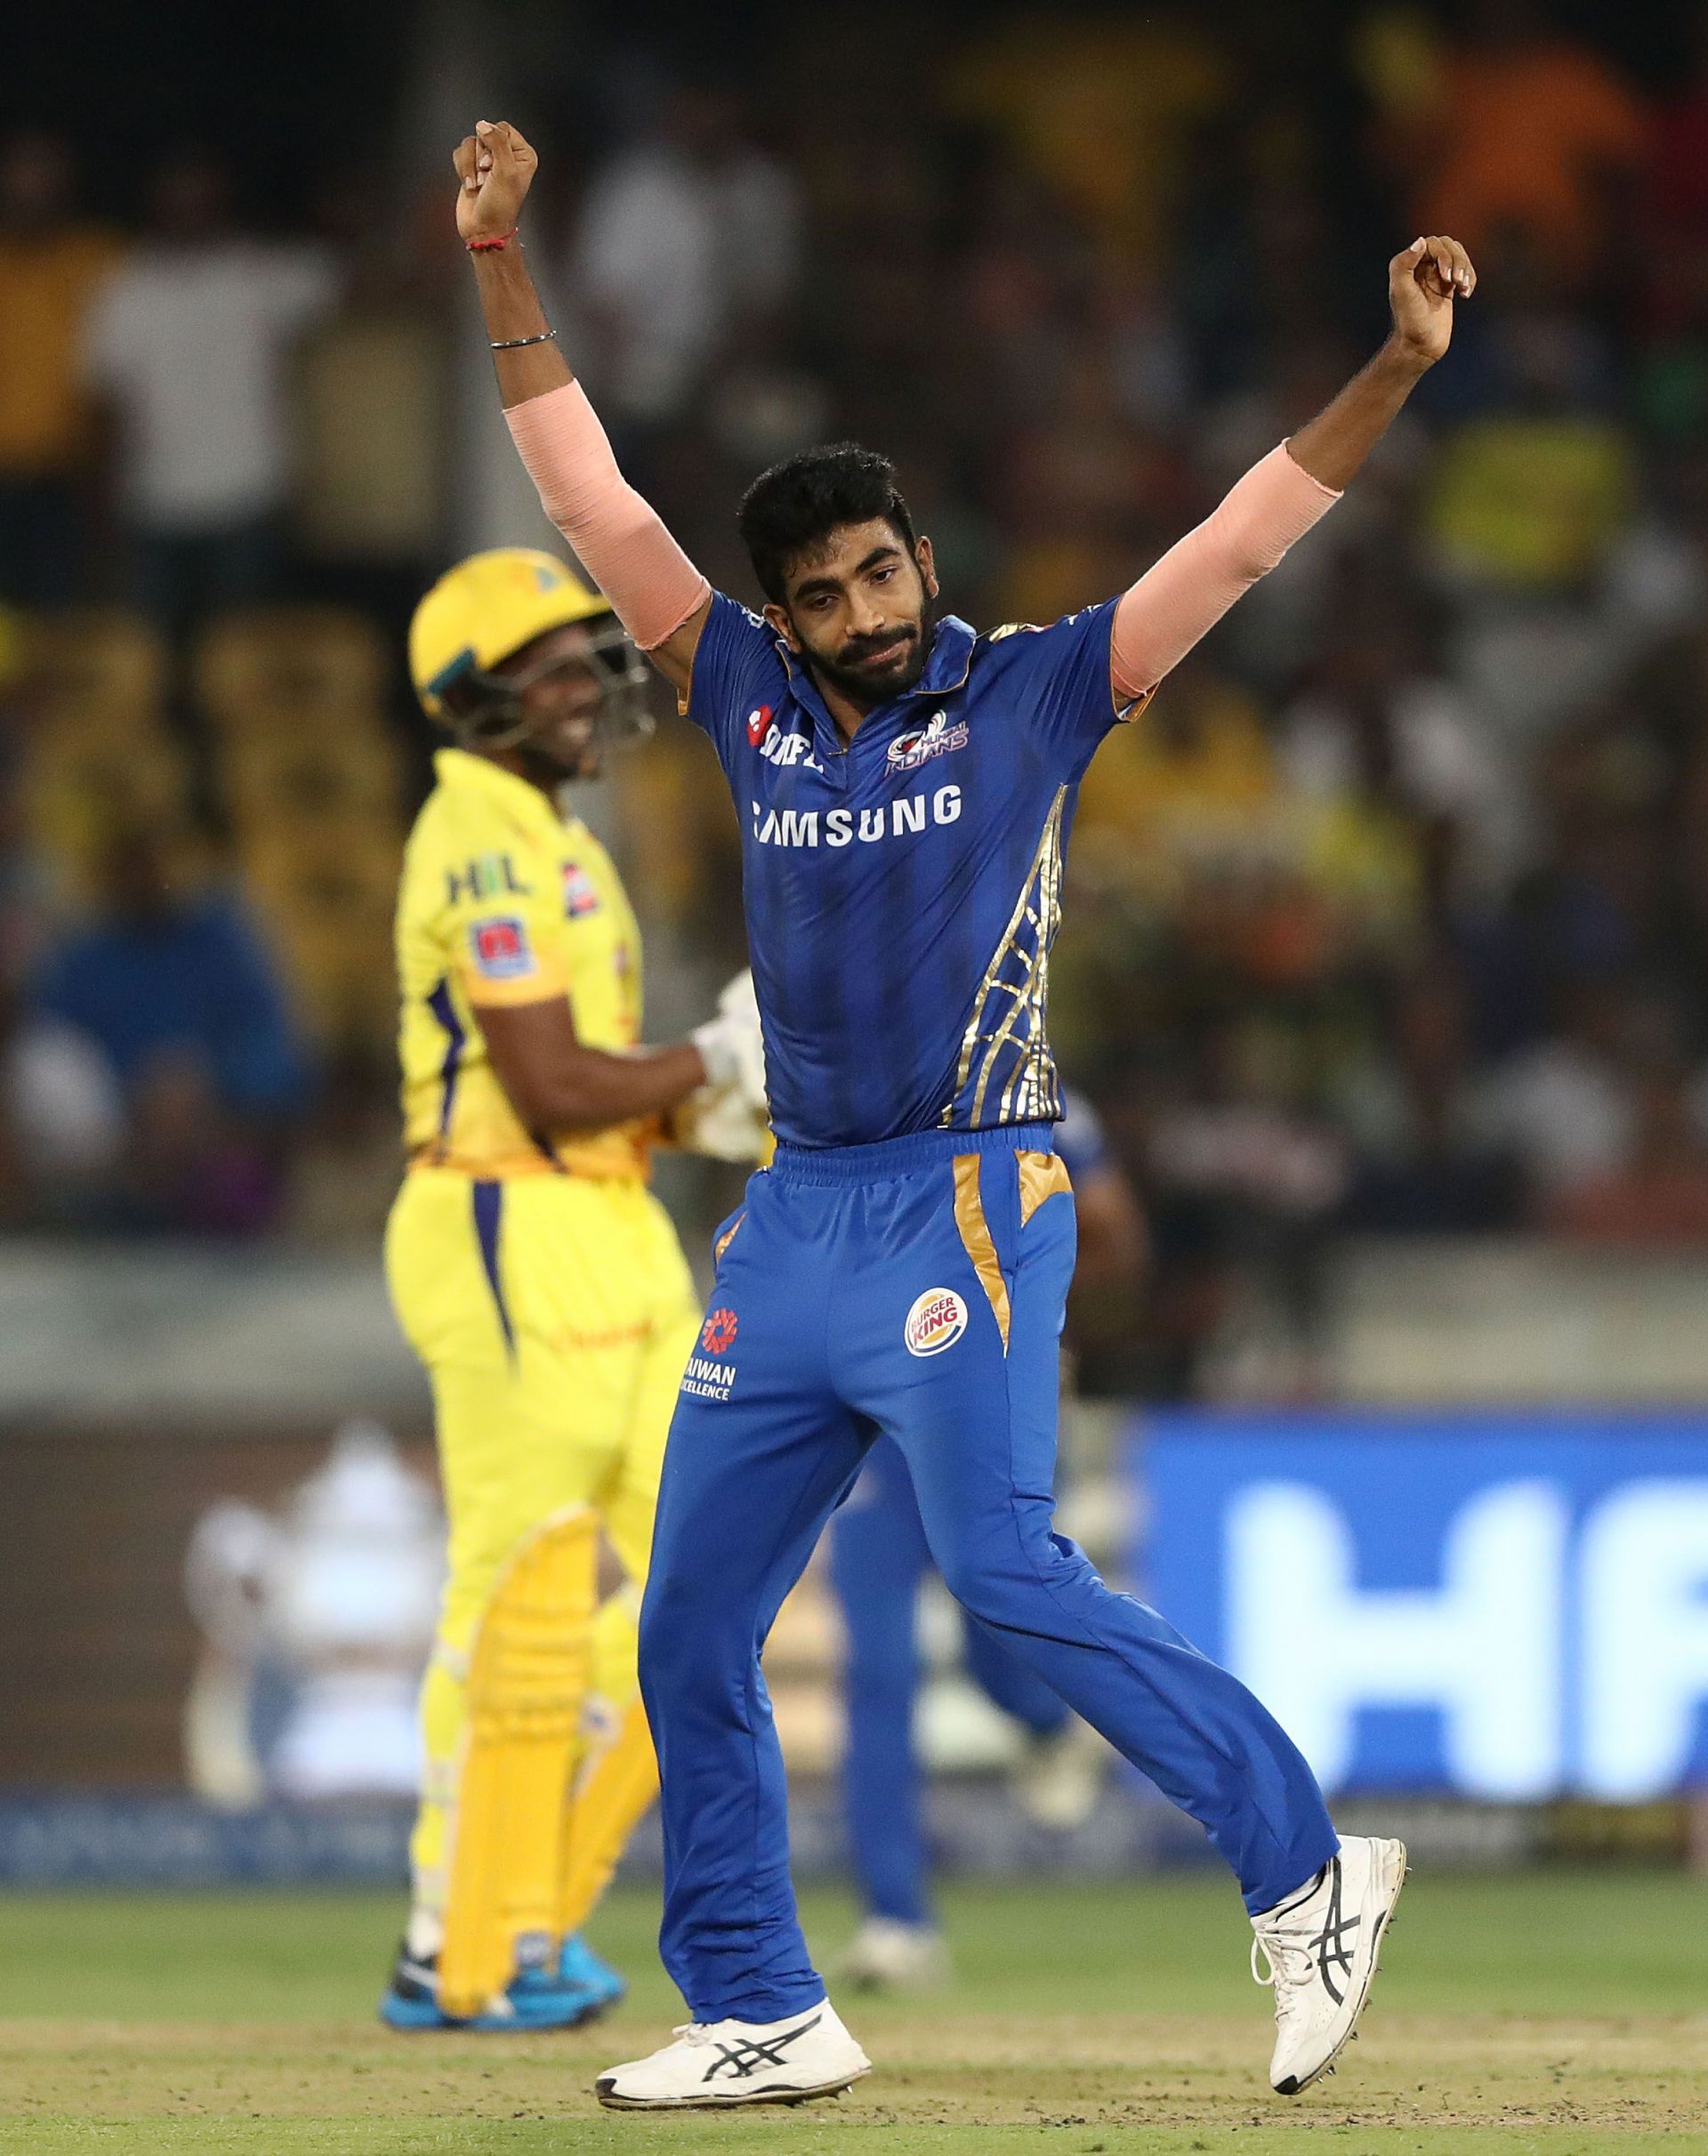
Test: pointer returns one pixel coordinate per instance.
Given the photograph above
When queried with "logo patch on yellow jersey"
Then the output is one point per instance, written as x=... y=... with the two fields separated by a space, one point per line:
x=488 y=876
x=580 y=892
x=502 y=950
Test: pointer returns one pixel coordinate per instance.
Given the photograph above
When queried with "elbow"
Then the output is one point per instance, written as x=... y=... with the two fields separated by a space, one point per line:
x=1248 y=551
x=560 y=1111
x=579 y=1118
x=544 y=1106
x=582 y=514
x=531 y=1108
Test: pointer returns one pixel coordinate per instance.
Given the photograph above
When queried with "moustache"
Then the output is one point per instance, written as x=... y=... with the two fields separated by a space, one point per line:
x=865 y=650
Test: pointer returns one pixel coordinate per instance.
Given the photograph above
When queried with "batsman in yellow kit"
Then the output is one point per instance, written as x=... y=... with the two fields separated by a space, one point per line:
x=542 y=1284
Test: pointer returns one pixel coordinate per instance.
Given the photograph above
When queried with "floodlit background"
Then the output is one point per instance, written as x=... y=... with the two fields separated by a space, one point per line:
x=1386 y=954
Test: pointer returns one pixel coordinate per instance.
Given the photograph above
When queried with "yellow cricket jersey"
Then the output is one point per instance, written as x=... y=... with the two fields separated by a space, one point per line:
x=504 y=901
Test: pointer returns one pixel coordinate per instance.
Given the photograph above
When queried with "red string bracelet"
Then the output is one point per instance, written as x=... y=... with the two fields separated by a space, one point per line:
x=489 y=247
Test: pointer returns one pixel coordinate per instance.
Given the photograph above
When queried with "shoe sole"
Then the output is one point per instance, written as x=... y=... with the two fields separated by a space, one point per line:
x=430 y=2022
x=1294 y=2085
x=613 y=2102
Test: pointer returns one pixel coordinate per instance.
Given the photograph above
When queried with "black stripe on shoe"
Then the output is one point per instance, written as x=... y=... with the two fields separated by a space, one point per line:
x=744 y=2059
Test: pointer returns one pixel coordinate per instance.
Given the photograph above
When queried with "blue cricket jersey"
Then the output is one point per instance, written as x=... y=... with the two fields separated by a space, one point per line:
x=902 y=890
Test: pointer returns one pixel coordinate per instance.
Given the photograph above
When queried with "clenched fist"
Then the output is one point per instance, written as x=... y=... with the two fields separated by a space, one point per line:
x=1423 y=283
x=495 y=167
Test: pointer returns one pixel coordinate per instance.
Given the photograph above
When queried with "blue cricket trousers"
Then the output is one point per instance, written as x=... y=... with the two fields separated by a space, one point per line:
x=878 y=1556
x=913 y=1288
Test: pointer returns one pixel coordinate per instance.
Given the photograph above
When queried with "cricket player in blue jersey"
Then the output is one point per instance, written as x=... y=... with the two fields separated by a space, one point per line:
x=906 y=788
x=878 y=1558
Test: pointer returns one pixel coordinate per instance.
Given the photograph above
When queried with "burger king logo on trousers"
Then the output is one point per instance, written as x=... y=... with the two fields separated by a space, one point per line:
x=936 y=1321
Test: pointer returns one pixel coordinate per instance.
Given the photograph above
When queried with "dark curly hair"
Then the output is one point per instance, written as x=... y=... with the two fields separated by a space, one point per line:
x=792 y=509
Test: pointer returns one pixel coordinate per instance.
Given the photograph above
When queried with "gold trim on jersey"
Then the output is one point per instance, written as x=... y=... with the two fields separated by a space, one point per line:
x=976 y=1238
x=1041 y=1175
x=1033 y=1094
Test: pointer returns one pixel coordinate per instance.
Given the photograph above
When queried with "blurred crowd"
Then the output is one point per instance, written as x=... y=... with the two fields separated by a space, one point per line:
x=1389 y=915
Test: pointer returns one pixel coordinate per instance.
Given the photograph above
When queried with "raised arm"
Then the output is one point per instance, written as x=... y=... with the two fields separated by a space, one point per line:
x=660 y=597
x=1173 y=604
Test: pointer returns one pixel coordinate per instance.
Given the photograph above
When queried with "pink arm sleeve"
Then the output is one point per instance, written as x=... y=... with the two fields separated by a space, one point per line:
x=1188 y=591
x=620 y=539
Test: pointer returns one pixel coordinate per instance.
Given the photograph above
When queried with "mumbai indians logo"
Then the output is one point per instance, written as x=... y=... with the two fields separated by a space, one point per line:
x=920 y=744
x=936 y=1321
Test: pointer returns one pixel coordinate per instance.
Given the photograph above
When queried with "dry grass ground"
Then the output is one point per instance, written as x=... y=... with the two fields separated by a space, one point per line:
x=1558 y=2013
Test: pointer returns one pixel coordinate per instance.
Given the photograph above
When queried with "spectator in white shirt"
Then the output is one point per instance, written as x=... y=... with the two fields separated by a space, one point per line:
x=1567 y=1109
x=689 y=241
x=189 y=344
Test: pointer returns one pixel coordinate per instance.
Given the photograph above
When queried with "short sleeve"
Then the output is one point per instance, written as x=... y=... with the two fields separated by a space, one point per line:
x=1060 y=679
x=735 y=674
x=506 y=924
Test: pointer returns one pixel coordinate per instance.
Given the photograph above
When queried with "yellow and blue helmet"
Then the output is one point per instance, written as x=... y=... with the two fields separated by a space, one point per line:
x=484 y=611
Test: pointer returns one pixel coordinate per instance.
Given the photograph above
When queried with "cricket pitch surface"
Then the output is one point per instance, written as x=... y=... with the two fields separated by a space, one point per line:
x=1560 y=2012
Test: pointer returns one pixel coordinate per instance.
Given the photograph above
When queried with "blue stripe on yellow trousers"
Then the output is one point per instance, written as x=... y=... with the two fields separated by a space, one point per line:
x=488 y=1215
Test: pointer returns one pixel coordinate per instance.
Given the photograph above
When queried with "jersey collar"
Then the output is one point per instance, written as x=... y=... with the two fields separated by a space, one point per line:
x=951 y=658
x=947 y=664
x=463 y=772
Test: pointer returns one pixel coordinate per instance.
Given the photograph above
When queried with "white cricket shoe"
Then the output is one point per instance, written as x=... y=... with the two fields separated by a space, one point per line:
x=1322 y=1944
x=713 y=2064
x=886 y=1956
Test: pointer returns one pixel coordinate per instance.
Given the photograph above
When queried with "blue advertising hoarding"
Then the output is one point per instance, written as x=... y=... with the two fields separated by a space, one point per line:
x=1499 y=1605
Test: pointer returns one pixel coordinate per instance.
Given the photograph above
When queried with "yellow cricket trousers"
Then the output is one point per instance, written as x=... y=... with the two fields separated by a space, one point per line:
x=554 y=1314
